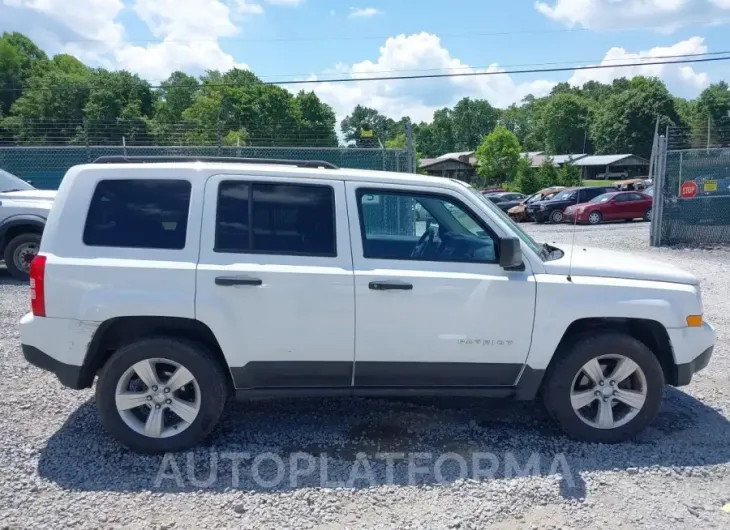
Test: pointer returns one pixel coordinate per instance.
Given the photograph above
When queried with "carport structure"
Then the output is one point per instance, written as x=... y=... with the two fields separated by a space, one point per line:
x=596 y=165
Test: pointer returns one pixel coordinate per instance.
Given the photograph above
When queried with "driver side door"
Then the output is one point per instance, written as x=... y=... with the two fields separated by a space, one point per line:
x=429 y=313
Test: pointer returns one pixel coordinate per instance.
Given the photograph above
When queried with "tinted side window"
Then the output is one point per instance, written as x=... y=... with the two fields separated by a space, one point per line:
x=138 y=214
x=635 y=197
x=275 y=219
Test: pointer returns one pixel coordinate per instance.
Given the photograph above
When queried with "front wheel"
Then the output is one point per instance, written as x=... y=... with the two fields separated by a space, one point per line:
x=20 y=252
x=556 y=216
x=606 y=388
x=595 y=218
x=161 y=394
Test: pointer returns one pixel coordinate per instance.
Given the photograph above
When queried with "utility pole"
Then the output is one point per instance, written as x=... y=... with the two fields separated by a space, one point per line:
x=709 y=121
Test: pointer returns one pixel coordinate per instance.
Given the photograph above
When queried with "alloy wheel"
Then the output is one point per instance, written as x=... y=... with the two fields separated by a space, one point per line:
x=158 y=398
x=608 y=391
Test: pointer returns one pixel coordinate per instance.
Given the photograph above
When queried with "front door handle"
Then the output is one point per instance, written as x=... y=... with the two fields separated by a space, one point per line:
x=394 y=285
x=237 y=280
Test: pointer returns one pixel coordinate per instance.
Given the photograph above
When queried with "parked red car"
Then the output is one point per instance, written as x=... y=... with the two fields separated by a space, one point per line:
x=615 y=206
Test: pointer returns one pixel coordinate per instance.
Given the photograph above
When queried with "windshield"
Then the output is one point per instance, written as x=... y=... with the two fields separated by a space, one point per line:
x=563 y=195
x=519 y=232
x=602 y=198
x=9 y=182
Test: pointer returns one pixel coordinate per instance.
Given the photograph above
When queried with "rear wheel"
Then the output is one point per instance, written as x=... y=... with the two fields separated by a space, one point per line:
x=647 y=215
x=594 y=218
x=556 y=216
x=161 y=394
x=20 y=252
x=605 y=389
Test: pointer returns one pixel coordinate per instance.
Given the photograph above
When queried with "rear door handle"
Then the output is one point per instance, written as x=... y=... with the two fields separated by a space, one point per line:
x=237 y=280
x=395 y=285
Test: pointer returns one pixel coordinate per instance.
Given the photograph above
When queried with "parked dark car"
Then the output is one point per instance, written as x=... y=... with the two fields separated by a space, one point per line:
x=553 y=209
x=621 y=206
x=506 y=200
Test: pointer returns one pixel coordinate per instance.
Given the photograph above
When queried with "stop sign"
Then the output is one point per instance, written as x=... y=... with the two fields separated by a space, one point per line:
x=688 y=189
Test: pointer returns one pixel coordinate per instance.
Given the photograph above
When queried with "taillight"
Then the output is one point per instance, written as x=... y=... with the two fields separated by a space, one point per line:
x=37 y=286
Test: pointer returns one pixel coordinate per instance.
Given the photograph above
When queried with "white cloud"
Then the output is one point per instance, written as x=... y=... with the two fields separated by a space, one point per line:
x=664 y=15
x=418 y=99
x=246 y=7
x=188 y=31
x=671 y=73
x=364 y=12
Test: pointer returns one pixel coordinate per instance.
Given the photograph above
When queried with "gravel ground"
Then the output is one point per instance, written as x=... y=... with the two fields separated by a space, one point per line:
x=59 y=468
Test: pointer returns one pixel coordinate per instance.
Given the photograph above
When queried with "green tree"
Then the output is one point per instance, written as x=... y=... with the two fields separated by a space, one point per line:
x=472 y=120
x=51 y=109
x=564 y=123
x=498 y=156
x=714 y=104
x=20 y=58
x=548 y=174
x=527 y=181
x=570 y=175
x=316 y=121
x=624 y=123
x=384 y=128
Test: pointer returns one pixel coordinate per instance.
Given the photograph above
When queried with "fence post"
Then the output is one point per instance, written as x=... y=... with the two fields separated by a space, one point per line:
x=86 y=141
x=219 y=137
x=659 y=192
x=410 y=150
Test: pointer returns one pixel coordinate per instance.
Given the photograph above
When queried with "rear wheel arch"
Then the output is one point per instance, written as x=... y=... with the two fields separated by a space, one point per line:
x=117 y=332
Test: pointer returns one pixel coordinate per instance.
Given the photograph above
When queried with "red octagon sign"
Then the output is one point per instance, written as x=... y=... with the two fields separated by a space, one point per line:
x=688 y=189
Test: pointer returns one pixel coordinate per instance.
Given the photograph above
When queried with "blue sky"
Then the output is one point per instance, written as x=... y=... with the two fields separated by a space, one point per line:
x=311 y=39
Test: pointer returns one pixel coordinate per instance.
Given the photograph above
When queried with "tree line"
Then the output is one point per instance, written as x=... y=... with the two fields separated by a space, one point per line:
x=59 y=100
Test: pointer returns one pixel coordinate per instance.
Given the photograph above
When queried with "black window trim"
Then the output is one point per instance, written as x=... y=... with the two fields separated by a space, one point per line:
x=128 y=179
x=251 y=251
x=413 y=194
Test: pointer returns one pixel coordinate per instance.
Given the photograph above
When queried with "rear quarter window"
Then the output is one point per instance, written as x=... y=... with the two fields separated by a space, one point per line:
x=138 y=214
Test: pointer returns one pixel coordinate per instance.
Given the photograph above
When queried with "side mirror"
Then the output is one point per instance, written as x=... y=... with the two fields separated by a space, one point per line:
x=510 y=253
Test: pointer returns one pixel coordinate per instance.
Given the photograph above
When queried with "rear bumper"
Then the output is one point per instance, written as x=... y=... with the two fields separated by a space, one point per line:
x=57 y=345
x=68 y=374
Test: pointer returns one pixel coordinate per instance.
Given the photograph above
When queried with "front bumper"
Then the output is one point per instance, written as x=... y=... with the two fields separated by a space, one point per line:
x=692 y=349
x=687 y=370
x=539 y=215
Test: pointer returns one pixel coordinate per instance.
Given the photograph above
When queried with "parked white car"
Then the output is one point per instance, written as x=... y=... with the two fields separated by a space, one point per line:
x=23 y=213
x=179 y=284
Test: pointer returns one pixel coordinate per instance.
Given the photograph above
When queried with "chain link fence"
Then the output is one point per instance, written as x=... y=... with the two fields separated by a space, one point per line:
x=692 y=197
x=44 y=167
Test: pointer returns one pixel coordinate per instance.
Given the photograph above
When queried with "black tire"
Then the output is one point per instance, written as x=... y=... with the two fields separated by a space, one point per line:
x=556 y=216
x=595 y=222
x=17 y=270
x=208 y=373
x=647 y=215
x=559 y=380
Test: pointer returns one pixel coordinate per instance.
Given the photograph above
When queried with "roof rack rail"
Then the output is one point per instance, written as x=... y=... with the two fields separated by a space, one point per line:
x=120 y=159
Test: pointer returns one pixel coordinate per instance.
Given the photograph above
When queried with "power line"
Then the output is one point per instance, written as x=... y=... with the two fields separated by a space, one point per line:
x=514 y=65
x=685 y=59
x=502 y=72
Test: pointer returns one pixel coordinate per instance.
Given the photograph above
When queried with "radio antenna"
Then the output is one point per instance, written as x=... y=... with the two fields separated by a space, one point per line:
x=575 y=224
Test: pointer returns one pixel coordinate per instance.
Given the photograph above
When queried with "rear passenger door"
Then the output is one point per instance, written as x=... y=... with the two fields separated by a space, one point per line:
x=275 y=280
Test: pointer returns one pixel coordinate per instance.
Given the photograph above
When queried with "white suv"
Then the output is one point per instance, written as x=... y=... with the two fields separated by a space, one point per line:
x=182 y=283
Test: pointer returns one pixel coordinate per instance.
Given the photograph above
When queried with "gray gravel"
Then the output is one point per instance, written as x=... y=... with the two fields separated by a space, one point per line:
x=59 y=468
